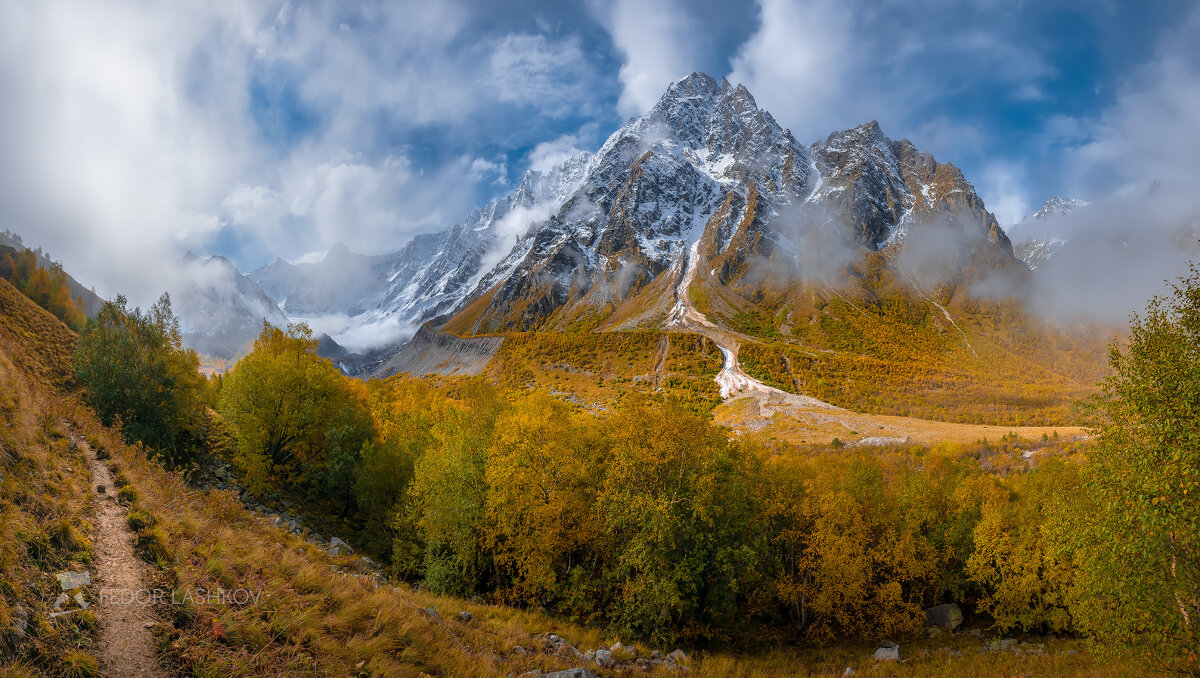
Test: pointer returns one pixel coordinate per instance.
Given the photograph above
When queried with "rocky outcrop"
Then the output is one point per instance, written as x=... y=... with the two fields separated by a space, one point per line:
x=432 y=352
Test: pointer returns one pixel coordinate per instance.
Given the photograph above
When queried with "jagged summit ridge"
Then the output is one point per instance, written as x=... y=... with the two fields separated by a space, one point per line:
x=706 y=167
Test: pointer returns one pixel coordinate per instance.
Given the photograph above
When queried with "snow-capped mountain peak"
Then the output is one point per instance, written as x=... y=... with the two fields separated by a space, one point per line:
x=1038 y=239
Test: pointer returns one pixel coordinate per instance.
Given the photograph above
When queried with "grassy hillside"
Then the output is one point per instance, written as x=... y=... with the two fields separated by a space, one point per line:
x=875 y=343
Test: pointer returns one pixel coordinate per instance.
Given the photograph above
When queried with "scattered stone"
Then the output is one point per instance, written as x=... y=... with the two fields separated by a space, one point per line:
x=70 y=581
x=100 y=489
x=848 y=672
x=999 y=644
x=656 y=656
x=431 y=613
x=678 y=656
x=339 y=544
x=20 y=621
x=466 y=617
x=948 y=616
x=934 y=632
x=605 y=658
x=571 y=673
x=518 y=650
x=887 y=652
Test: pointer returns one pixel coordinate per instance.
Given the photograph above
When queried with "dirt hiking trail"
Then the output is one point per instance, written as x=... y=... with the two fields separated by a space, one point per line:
x=126 y=644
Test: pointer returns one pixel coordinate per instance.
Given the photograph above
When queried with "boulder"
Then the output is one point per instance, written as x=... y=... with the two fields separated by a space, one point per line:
x=339 y=544
x=605 y=658
x=678 y=656
x=948 y=616
x=431 y=613
x=887 y=652
x=571 y=673
x=466 y=617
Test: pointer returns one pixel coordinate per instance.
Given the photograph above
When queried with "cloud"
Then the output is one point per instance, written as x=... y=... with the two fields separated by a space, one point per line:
x=550 y=154
x=798 y=64
x=535 y=70
x=823 y=65
x=496 y=170
x=1002 y=190
x=1150 y=130
x=260 y=128
x=246 y=204
x=659 y=43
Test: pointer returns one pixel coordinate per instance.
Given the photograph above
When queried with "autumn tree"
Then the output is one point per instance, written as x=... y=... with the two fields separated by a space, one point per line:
x=137 y=375
x=1017 y=559
x=541 y=473
x=1137 y=529
x=449 y=493
x=297 y=420
x=683 y=525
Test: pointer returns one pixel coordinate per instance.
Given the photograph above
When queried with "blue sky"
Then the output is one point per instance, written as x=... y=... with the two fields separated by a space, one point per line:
x=254 y=129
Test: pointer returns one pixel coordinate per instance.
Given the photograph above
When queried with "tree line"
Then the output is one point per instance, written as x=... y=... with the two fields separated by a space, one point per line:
x=648 y=518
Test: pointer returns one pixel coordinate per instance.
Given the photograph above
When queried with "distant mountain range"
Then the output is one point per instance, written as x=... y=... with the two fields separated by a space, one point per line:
x=705 y=182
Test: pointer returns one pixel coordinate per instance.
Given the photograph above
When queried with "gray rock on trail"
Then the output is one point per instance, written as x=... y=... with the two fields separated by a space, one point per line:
x=948 y=616
x=887 y=652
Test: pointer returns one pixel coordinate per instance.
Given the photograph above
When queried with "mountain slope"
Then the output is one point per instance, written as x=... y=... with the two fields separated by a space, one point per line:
x=91 y=301
x=220 y=310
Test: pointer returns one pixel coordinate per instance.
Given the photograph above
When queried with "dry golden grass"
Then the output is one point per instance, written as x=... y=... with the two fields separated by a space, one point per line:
x=44 y=500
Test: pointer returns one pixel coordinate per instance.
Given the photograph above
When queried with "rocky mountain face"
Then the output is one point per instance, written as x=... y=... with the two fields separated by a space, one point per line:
x=708 y=179
x=220 y=310
x=879 y=188
x=1034 y=245
x=430 y=275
